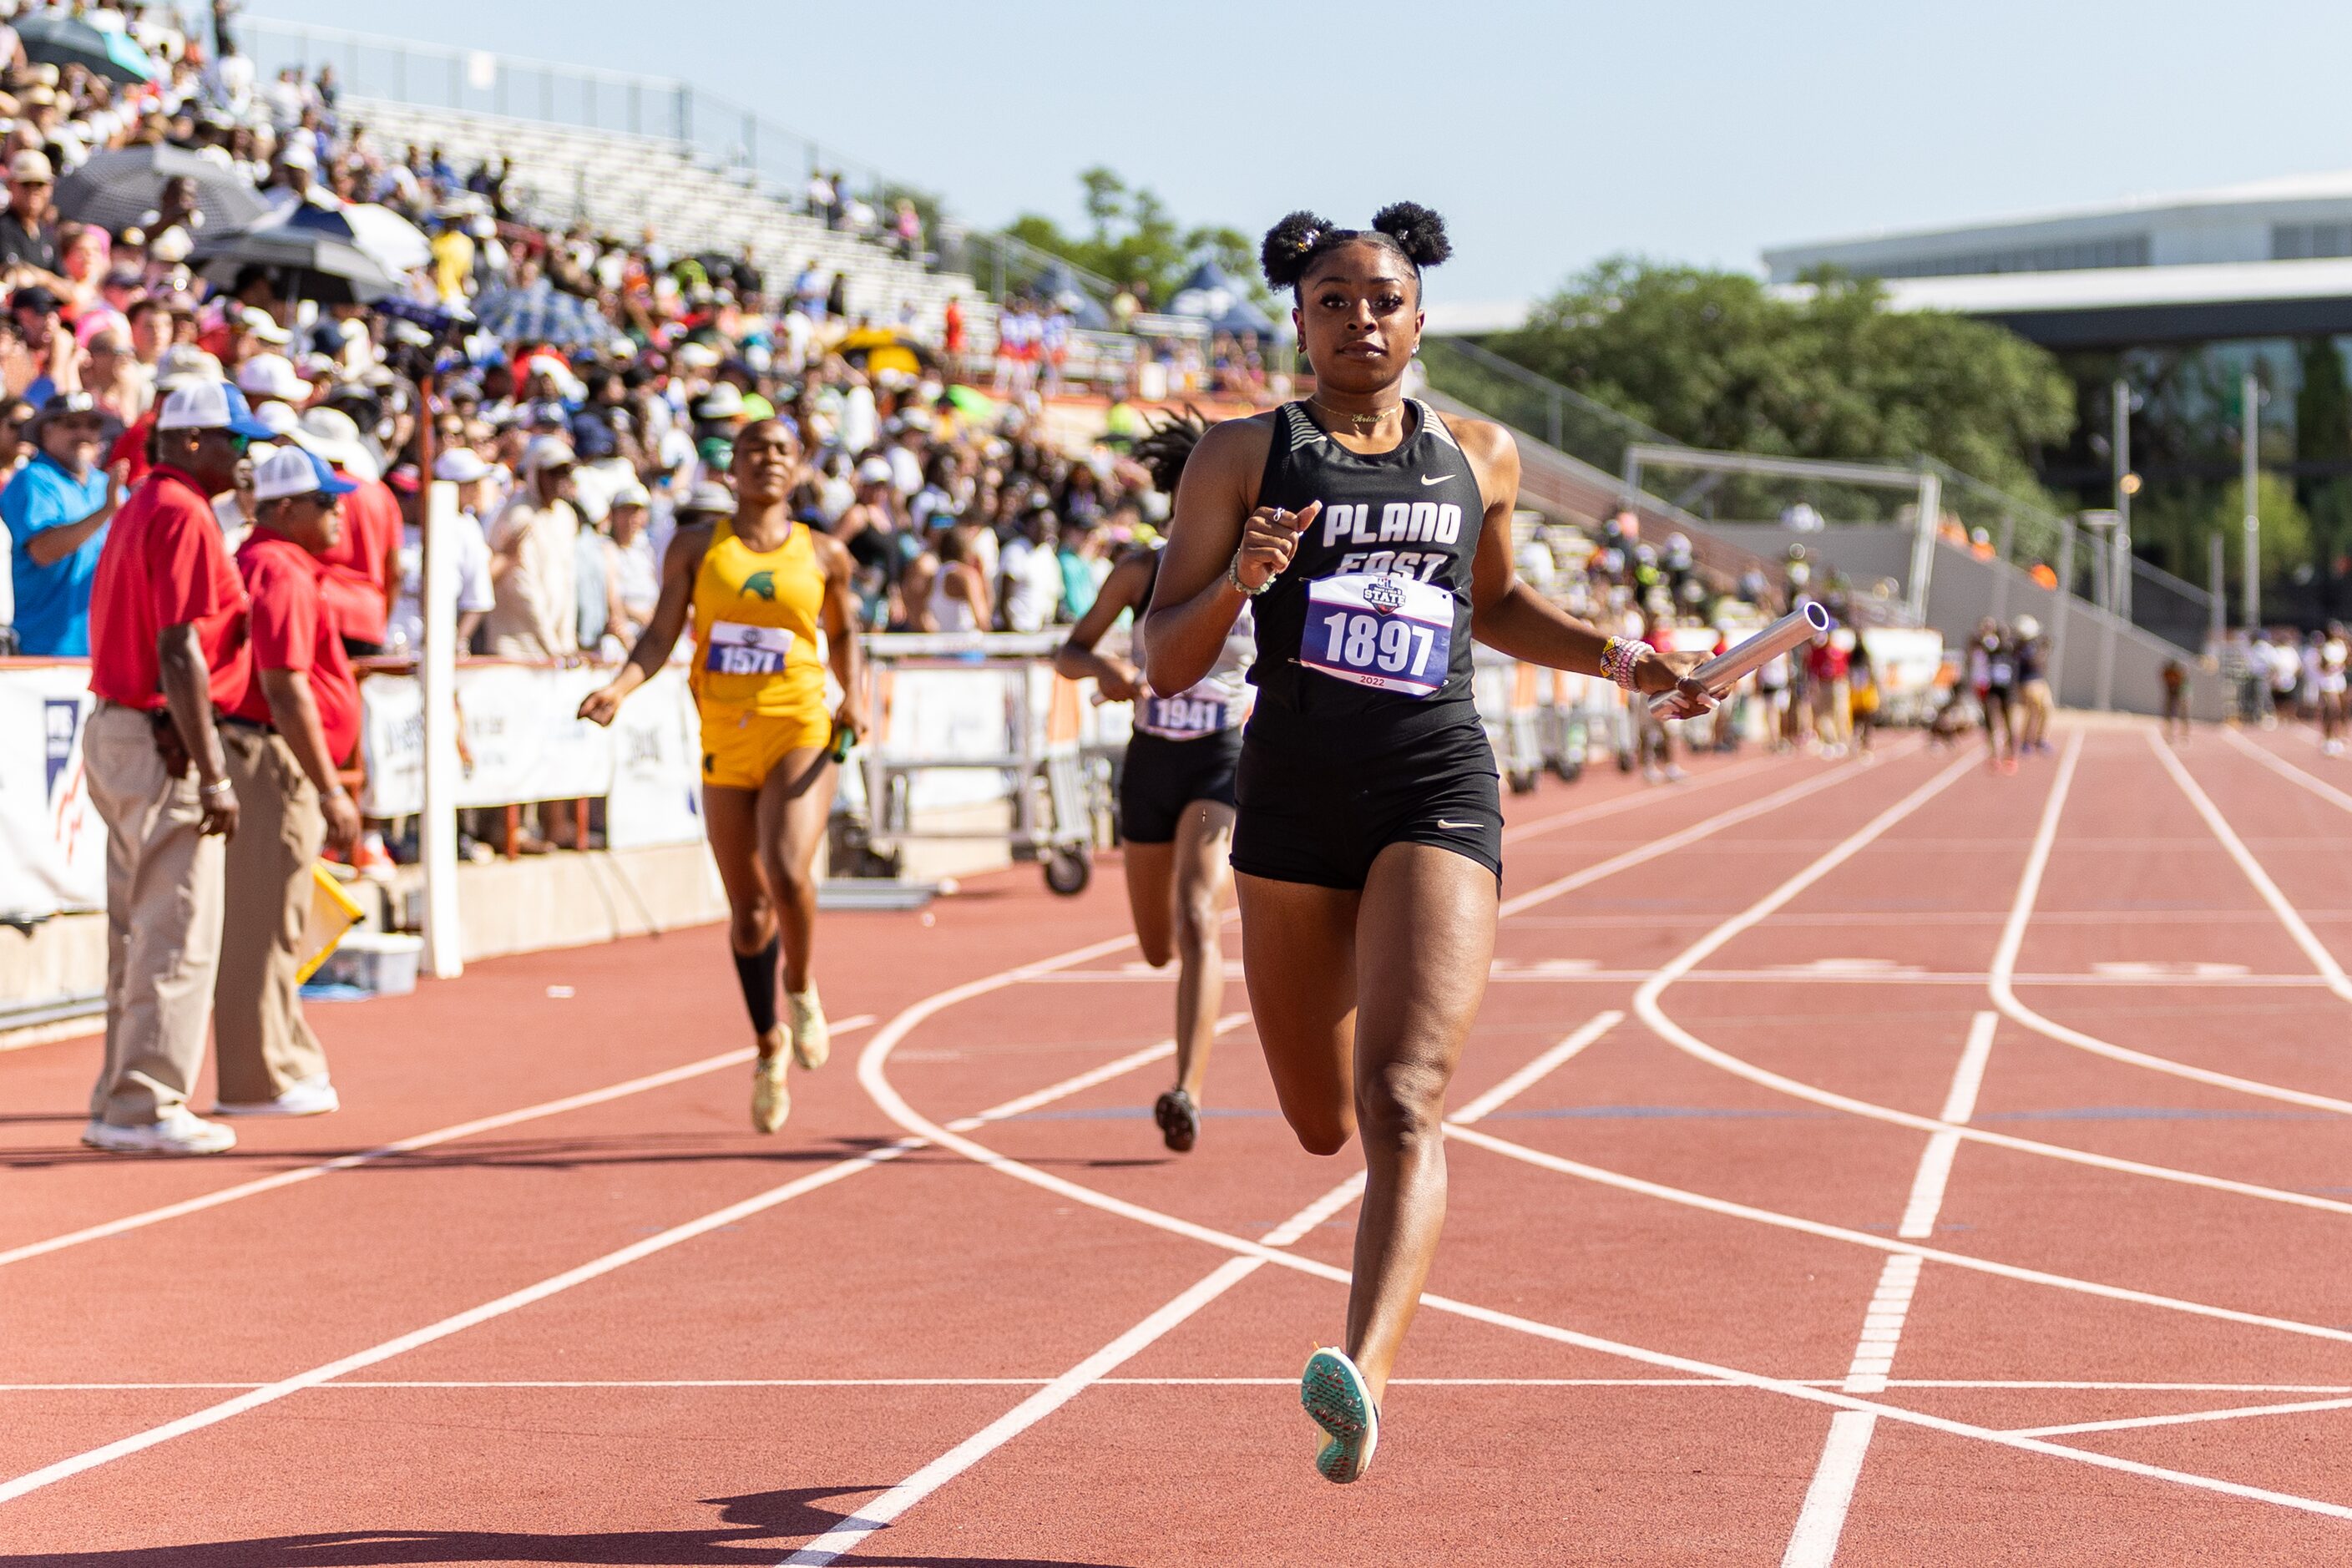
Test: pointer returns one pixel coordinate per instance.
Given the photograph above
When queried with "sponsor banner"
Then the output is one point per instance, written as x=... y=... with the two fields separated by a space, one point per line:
x=52 y=844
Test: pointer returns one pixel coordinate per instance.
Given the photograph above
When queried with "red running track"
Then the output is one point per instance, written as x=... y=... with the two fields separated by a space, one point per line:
x=1886 y=1163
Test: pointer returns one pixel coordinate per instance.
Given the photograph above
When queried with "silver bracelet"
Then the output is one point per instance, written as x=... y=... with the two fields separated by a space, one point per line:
x=1234 y=575
x=217 y=787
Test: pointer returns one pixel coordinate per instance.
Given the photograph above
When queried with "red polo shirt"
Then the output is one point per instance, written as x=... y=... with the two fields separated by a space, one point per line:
x=163 y=564
x=355 y=582
x=291 y=629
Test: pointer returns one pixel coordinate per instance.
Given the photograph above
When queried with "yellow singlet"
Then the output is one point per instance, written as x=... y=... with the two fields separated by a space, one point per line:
x=757 y=677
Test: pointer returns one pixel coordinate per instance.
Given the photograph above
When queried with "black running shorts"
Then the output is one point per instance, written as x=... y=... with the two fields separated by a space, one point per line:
x=1322 y=814
x=1161 y=777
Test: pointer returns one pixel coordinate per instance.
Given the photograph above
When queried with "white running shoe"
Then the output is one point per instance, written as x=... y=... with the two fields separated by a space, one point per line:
x=312 y=1096
x=177 y=1131
x=812 y=1038
x=771 y=1097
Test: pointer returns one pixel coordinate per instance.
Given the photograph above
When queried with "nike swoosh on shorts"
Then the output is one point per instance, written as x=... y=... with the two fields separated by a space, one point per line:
x=1441 y=822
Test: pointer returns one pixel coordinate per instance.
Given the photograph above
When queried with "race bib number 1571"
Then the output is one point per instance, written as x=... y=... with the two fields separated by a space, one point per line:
x=734 y=649
x=1393 y=633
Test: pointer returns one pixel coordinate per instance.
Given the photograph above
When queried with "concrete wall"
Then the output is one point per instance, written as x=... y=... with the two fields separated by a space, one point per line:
x=1963 y=590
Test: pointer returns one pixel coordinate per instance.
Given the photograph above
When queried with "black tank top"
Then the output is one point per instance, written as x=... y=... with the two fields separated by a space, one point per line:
x=1366 y=634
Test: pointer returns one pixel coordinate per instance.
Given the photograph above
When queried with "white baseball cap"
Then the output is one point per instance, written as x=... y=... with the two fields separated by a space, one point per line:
x=460 y=466
x=210 y=406
x=271 y=375
x=330 y=433
x=281 y=417
x=263 y=325
x=631 y=494
x=291 y=471
x=548 y=452
x=299 y=154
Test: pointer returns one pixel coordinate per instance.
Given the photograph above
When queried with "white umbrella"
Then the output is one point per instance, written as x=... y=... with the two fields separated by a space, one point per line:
x=389 y=238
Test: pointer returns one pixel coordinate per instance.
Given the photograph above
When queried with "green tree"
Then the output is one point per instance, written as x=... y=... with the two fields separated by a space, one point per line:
x=1131 y=236
x=1718 y=359
x=2322 y=441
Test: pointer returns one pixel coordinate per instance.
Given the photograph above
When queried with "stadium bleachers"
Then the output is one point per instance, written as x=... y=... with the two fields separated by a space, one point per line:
x=620 y=185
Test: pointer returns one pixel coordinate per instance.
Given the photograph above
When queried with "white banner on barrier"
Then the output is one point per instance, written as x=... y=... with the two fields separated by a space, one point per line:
x=522 y=742
x=52 y=844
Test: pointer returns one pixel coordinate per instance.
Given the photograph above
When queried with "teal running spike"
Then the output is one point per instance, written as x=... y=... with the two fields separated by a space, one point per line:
x=1333 y=1392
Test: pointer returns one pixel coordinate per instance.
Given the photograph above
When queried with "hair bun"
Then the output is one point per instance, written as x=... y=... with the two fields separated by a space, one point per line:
x=1287 y=245
x=1419 y=232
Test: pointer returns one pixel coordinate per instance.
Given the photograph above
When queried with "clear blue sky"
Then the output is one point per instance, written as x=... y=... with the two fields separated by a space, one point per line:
x=1549 y=133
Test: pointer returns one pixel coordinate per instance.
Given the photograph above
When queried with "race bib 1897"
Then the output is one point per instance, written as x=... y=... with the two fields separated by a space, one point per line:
x=1181 y=718
x=734 y=649
x=1393 y=633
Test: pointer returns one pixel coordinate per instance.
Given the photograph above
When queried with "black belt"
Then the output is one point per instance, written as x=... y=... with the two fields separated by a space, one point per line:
x=256 y=725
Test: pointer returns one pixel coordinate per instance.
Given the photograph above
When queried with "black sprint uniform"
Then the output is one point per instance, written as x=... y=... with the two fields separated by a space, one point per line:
x=1185 y=748
x=1366 y=733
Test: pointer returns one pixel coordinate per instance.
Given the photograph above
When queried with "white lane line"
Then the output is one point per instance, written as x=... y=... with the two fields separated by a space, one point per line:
x=1085 y=1081
x=32 y=1480
x=1574 y=972
x=1820 y=1521
x=1980 y=1385
x=2290 y=772
x=1542 y=1067
x=1641 y=797
x=2288 y=915
x=1647 y=1008
x=1960 y=1105
x=1704 y=828
x=271 y=1183
x=2012 y=940
x=2132 y=1422
x=1731 y=1210
x=845 y=1537
x=873 y=1075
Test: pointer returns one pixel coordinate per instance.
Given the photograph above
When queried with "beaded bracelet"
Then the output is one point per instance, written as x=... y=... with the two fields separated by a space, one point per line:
x=1620 y=657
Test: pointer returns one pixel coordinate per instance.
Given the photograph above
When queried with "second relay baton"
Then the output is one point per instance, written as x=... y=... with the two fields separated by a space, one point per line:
x=1722 y=672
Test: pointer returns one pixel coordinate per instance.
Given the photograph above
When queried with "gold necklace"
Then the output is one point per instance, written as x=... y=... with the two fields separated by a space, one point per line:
x=1364 y=423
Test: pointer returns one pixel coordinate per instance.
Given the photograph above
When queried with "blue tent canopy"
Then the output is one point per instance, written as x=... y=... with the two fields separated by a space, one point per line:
x=1058 y=285
x=1211 y=295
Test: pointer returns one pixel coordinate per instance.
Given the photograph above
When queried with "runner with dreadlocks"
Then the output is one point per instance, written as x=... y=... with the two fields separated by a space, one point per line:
x=1175 y=794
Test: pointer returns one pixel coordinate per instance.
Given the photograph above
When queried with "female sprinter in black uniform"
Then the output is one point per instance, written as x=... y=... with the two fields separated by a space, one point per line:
x=1175 y=796
x=1375 y=541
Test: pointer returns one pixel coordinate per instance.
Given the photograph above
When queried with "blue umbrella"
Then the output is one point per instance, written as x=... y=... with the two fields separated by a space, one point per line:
x=542 y=313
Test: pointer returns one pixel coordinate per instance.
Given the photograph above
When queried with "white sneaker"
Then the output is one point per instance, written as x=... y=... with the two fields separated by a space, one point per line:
x=178 y=1130
x=312 y=1096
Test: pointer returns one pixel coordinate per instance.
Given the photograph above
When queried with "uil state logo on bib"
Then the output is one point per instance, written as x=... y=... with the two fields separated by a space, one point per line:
x=1391 y=634
x=735 y=648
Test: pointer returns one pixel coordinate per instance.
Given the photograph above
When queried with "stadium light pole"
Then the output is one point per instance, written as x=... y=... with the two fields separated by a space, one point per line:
x=2251 y=458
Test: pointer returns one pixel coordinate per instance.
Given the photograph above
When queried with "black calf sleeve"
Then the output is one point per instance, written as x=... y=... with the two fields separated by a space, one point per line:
x=756 y=973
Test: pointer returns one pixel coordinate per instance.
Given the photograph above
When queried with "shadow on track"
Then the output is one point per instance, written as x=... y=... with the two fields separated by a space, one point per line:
x=755 y=1528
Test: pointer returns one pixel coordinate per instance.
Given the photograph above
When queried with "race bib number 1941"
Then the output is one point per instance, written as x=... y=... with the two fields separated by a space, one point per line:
x=1393 y=633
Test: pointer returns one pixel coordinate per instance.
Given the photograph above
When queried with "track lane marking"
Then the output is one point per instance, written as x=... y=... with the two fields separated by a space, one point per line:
x=2133 y=1423
x=49 y=1475
x=1681 y=839
x=1644 y=797
x=410 y=1145
x=1820 y=1518
x=2012 y=940
x=1983 y=1384
x=2294 y=773
x=2288 y=915
x=873 y=1074
x=1647 y=1008
x=847 y=1536
x=849 y=1533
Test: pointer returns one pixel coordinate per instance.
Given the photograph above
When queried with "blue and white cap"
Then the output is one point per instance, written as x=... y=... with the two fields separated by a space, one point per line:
x=291 y=471
x=210 y=406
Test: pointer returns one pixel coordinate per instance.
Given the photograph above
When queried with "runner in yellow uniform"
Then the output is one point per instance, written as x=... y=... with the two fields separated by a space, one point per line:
x=759 y=587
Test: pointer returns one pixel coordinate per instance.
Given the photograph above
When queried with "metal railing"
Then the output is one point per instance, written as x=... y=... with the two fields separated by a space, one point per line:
x=2021 y=532
x=721 y=134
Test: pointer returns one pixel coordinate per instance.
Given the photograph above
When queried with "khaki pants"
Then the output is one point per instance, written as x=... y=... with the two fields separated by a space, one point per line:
x=162 y=921
x=265 y=1045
